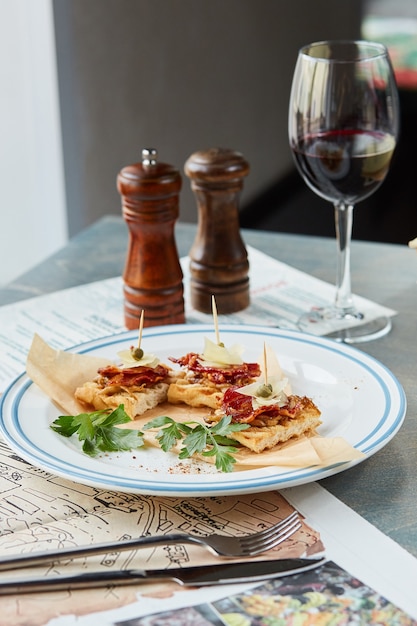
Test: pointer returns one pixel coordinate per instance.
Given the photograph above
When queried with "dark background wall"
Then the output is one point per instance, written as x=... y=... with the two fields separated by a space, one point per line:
x=180 y=76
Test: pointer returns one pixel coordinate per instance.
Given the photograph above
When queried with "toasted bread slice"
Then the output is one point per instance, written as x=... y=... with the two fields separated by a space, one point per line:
x=202 y=384
x=270 y=424
x=196 y=394
x=259 y=438
x=136 y=400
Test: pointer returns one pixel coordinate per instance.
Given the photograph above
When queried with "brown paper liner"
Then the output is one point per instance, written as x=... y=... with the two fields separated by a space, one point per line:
x=58 y=373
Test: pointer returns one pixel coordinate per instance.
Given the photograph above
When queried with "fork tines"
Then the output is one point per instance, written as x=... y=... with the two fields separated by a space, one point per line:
x=272 y=536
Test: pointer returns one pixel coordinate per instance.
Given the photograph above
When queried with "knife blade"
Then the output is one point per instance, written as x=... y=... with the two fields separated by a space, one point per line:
x=197 y=576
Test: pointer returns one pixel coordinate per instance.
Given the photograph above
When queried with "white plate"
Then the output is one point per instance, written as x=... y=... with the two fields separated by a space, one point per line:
x=360 y=400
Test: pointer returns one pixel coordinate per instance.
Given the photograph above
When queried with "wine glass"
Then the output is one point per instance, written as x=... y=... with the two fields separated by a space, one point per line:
x=343 y=127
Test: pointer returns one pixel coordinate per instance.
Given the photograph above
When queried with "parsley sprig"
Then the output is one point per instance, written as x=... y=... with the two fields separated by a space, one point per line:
x=198 y=438
x=99 y=432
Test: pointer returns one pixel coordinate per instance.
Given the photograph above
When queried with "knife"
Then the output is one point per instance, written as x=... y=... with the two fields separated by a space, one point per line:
x=200 y=576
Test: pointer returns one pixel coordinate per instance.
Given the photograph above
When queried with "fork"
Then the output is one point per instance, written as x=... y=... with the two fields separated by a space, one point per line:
x=220 y=545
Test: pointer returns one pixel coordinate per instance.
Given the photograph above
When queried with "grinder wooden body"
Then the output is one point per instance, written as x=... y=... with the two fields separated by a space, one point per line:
x=152 y=274
x=218 y=258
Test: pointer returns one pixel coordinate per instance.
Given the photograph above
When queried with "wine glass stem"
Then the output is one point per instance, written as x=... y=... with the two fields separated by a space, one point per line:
x=343 y=222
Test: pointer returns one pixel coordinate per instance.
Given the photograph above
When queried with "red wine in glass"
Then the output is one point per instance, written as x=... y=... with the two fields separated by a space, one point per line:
x=344 y=165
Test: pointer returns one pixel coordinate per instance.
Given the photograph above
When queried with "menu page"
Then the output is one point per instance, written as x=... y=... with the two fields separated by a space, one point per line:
x=366 y=571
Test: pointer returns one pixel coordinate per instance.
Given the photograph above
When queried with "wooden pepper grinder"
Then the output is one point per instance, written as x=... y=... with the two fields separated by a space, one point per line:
x=152 y=275
x=218 y=258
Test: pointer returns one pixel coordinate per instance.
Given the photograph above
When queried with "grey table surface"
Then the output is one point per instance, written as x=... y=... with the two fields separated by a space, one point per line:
x=383 y=489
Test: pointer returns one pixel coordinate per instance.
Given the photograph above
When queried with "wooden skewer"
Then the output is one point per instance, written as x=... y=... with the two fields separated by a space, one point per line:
x=142 y=315
x=215 y=319
x=265 y=365
x=137 y=353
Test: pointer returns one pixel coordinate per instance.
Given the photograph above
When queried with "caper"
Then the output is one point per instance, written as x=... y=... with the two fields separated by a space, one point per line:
x=137 y=353
x=221 y=344
x=264 y=391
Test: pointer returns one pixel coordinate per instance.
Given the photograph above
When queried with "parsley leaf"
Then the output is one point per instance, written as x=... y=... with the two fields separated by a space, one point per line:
x=198 y=438
x=98 y=431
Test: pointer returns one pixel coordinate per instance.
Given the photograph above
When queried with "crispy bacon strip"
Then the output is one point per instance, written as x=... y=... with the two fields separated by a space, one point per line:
x=234 y=374
x=239 y=406
x=133 y=376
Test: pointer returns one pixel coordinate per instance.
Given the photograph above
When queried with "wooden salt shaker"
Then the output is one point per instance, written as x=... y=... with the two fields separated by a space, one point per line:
x=152 y=275
x=218 y=258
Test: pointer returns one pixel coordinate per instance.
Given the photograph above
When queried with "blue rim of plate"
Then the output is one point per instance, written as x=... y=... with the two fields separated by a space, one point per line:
x=246 y=481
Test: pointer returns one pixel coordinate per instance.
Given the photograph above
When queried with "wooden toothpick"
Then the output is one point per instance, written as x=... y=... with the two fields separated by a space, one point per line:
x=137 y=353
x=142 y=315
x=265 y=365
x=215 y=320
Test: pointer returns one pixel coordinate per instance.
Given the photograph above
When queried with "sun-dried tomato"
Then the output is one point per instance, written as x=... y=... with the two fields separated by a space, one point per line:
x=133 y=376
x=239 y=407
x=240 y=374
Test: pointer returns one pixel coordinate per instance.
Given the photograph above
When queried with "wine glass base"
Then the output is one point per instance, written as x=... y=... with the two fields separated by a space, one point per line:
x=323 y=322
